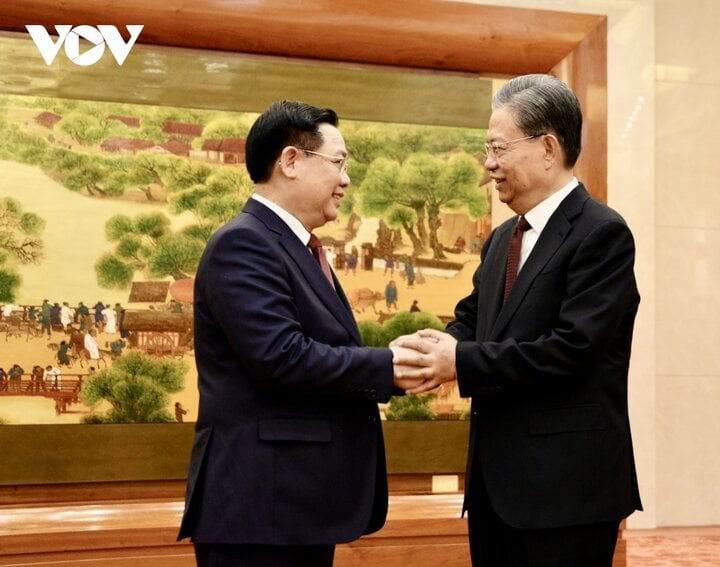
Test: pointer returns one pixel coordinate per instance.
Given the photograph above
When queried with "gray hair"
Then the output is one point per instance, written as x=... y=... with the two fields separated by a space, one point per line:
x=543 y=104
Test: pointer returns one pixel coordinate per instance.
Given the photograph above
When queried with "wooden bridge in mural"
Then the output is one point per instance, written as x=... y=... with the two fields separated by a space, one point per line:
x=65 y=391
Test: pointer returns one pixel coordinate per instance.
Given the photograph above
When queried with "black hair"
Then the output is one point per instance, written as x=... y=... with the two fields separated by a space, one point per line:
x=285 y=123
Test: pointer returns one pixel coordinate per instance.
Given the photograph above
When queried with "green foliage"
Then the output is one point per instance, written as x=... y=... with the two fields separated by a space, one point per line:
x=113 y=272
x=229 y=127
x=424 y=185
x=147 y=243
x=9 y=283
x=177 y=255
x=411 y=408
x=137 y=386
x=214 y=196
x=89 y=125
x=404 y=323
x=19 y=242
x=373 y=334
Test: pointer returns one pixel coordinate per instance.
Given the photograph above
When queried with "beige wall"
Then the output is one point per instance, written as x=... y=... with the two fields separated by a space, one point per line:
x=687 y=248
x=663 y=88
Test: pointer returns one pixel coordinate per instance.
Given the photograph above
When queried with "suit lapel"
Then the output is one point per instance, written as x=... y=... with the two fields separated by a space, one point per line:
x=552 y=237
x=334 y=299
x=336 y=302
x=494 y=272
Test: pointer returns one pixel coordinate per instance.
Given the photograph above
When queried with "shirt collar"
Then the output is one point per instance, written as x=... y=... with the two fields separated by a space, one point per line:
x=293 y=223
x=540 y=214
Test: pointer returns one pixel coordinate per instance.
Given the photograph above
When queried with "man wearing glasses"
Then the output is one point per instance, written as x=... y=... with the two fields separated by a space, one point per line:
x=542 y=345
x=288 y=458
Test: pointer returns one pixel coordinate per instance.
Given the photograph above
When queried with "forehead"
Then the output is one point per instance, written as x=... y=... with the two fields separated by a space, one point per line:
x=332 y=138
x=502 y=124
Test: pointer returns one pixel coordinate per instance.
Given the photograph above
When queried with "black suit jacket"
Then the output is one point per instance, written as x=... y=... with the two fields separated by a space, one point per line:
x=288 y=446
x=547 y=371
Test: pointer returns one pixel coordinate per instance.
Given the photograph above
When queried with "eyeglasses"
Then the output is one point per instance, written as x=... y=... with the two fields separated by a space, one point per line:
x=340 y=161
x=496 y=149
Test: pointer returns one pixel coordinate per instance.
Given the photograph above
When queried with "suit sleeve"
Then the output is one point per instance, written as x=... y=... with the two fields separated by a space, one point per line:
x=275 y=325
x=569 y=327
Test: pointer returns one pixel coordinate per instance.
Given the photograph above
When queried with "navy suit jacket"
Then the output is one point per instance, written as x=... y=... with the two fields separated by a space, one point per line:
x=288 y=447
x=547 y=371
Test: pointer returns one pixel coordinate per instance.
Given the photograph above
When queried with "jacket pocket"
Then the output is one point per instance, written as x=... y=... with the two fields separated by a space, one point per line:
x=588 y=417
x=297 y=430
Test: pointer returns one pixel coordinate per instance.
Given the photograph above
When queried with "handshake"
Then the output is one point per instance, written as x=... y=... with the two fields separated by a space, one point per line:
x=423 y=361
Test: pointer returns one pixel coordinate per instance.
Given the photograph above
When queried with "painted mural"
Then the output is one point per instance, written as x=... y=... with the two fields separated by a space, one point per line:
x=105 y=209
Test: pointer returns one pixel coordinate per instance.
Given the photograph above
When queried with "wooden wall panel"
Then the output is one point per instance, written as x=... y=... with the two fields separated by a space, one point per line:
x=431 y=34
x=427 y=34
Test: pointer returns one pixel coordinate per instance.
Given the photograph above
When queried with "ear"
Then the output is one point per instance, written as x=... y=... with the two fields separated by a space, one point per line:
x=288 y=161
x=553 y=150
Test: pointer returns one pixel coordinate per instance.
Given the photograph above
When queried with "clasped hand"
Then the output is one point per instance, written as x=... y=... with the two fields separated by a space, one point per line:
x=423 y=361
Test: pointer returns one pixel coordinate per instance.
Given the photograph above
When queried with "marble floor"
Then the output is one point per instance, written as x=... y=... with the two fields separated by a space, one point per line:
x=661 y=547
x=674 y=547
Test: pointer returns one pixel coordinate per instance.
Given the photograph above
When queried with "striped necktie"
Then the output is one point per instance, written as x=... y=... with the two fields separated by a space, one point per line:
x=513 y=258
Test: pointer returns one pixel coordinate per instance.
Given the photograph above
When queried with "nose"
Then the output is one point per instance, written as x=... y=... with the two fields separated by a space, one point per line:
x=490 y=162
x=345 y=179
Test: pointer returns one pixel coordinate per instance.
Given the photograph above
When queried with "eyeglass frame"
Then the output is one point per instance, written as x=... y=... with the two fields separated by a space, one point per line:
x=492 y=148
x=340 y=161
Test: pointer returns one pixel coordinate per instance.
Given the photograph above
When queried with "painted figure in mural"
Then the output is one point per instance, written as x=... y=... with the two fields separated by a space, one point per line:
x=98 y=311
x=52 y=377
x=37 y=376
x=180 y=412
x=391 y=295
x=32 y=314
x=55 y=311
x=45 y=320
x=67 y=315
x=91 y=345
x=15 y=375
x=109 y=319
x=84 y=316
x=389 y=265
x=410 y=272
x=288 y=458
x=551 y=470
x=351 y=261
x=63 y=354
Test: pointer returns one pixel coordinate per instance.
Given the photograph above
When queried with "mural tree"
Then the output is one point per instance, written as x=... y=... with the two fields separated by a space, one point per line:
x=137 y=386
x=19 y=241
x=213 y=195
x=88 y=125
x=415 y=192
x=146 y=243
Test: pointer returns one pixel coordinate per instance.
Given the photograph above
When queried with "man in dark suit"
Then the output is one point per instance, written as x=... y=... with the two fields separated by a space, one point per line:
x=288 y=458
x=551 y=470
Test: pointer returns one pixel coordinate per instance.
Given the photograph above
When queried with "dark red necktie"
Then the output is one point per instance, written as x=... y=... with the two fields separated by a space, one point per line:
x=318 y=252
x=513 y=258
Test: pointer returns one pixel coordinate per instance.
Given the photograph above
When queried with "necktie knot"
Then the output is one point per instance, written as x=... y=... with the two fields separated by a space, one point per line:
x=314 y=243
x=318 y=252
x=522 y=225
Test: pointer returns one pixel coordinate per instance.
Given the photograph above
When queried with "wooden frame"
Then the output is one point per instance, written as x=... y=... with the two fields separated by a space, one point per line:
x=432 y=35
x=421 y=34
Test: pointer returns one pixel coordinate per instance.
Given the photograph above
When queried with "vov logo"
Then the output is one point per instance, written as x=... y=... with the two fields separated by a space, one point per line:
x=98 y=36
